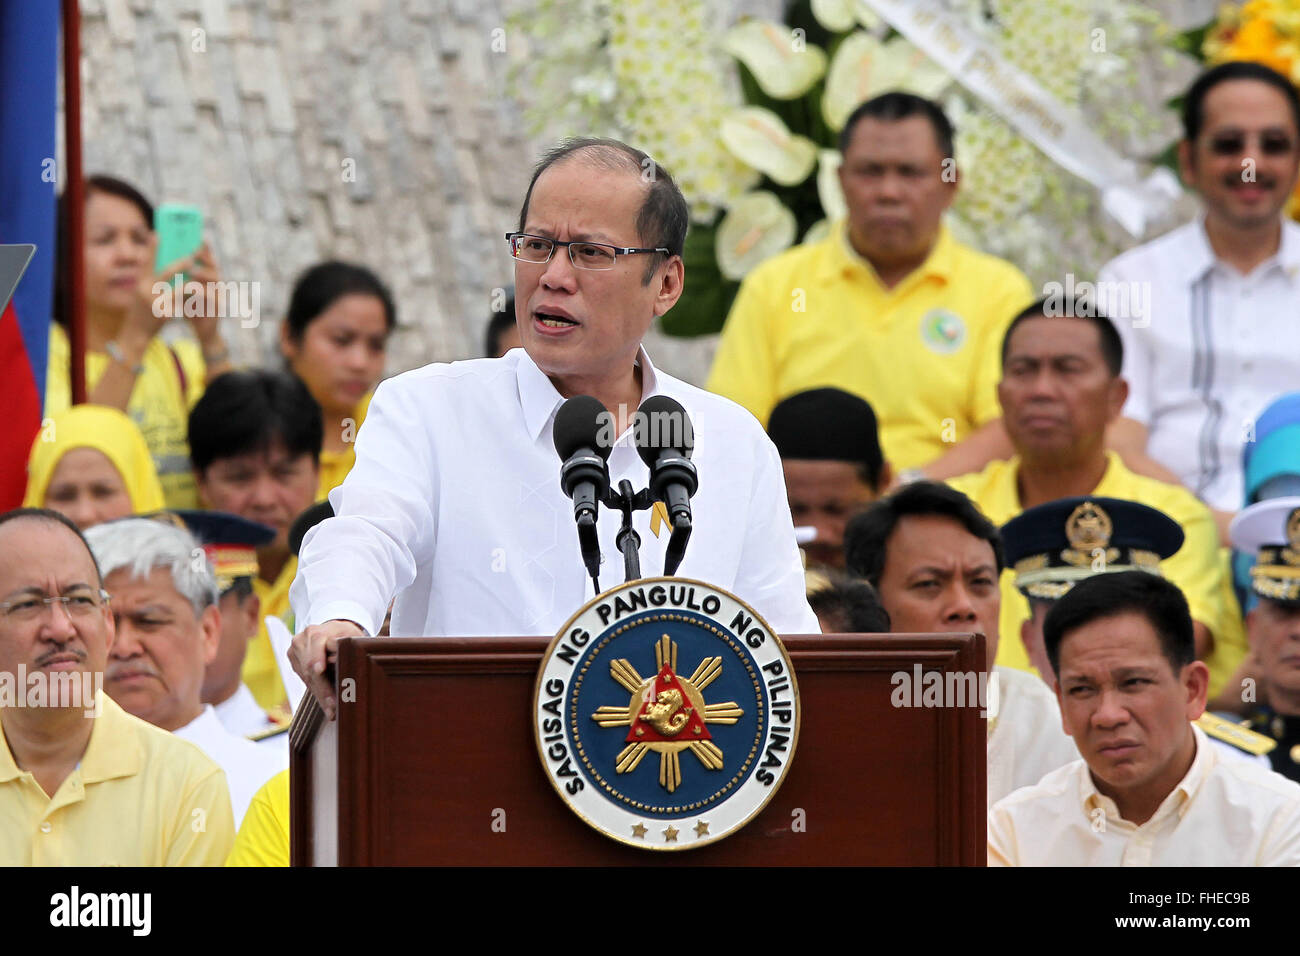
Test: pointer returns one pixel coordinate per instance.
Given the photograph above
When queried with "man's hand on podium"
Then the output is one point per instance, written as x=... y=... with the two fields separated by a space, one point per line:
x=312 y=650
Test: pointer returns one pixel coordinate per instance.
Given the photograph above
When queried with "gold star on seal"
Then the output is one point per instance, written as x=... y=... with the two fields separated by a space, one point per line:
x=701 y=828
x=639 y=831
x=670 y=835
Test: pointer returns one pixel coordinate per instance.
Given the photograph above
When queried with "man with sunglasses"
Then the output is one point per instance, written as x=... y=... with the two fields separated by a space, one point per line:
x=1221 y=340
x=454 y=506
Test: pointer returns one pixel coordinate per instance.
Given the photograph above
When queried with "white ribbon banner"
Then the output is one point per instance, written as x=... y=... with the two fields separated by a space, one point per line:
x=1060 y=132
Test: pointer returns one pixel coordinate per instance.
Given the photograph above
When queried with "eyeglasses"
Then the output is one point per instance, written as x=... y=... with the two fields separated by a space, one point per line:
x=595 y=256
x=1270 y=144
x=79 y=604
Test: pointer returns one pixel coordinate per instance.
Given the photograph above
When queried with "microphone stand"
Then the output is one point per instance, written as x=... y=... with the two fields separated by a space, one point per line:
x=629 y=542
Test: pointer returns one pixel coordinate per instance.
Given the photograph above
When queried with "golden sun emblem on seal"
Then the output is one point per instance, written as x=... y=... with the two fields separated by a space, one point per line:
x=667 y=714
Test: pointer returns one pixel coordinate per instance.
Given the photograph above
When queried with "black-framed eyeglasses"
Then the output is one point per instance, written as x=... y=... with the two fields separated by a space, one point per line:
x=77 y=604
x=596 y=256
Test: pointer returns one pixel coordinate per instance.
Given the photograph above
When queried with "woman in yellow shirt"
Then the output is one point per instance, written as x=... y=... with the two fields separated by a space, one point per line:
x=128 y=366
x=91 y=464
x=334 y=338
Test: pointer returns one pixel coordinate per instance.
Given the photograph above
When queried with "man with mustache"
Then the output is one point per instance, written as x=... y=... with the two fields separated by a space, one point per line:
x=84 y=783
x=1221 y=338
x=1150 y=790
x=934 y=559
x=168 y=629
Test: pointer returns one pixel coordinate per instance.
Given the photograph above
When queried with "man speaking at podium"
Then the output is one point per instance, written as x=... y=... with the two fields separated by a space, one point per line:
x=454 y=505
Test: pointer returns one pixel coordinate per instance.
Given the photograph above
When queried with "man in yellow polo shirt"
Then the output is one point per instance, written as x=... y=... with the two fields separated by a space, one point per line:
x=82 y=782
x=255 y=441
x=1061 y=386
x=889 y=306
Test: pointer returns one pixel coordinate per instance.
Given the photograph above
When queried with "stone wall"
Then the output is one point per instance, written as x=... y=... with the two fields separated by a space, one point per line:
x=372 y=130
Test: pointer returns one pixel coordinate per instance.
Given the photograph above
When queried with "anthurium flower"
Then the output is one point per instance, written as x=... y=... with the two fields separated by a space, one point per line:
x=781 y=60
x=756 y=227
x=864 y=67
x=759 y=137
x=835 y=15
x=828 y=185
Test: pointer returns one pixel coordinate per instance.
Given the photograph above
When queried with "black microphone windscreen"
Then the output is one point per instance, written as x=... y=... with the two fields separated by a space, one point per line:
x=663 y=425
x=578 y=425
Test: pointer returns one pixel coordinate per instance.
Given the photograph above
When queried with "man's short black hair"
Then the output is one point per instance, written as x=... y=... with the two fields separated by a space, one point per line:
x=1124 y=592
x=498 y=324
x=829 y=424
x=851 y=606
x=867 y=534
x=48 y=514
x=897 y=105
x=1194 y=101
x=246 y=411
x=664 y=216
x=1112 y=346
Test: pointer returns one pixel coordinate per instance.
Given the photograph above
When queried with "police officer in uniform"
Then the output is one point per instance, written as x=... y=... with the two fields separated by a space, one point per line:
x=1052 y=547
x=1271 y=531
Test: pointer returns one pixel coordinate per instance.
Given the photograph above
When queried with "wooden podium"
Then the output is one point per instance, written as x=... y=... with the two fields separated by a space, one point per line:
x=434 y=762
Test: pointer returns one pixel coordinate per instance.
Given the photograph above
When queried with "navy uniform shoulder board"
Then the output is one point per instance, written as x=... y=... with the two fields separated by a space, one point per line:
x=277 y=724
x=1235 y=734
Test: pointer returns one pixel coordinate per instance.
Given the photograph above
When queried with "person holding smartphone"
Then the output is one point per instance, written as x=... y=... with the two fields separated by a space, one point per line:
x=128 y=366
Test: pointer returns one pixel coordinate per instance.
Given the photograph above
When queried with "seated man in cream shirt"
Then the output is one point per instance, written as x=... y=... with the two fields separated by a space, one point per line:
x=1149 y=791
x=935 y=560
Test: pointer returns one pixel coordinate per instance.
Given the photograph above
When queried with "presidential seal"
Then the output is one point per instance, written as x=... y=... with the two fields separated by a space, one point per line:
x=666 y=713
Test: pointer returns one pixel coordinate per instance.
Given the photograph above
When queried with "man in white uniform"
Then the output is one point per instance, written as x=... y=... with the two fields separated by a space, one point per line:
x=936 y=561
x=230 y=543
x=164 y=603
x=1150 y=790
x=454 y=505
x=1221 y=337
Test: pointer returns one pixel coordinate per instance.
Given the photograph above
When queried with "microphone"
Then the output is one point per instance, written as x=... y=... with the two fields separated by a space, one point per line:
x=665 y=439
x=584 y=476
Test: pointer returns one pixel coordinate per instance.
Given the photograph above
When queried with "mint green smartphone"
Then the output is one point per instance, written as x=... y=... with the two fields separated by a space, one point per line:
x=180 y=232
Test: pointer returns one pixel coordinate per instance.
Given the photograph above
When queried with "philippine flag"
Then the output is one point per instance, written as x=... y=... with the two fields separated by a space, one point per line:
x=29 y=62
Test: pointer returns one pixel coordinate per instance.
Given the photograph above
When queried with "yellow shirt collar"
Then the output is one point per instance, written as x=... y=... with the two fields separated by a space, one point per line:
x=1008 y=489
x=113 y=749
x=843 y=259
